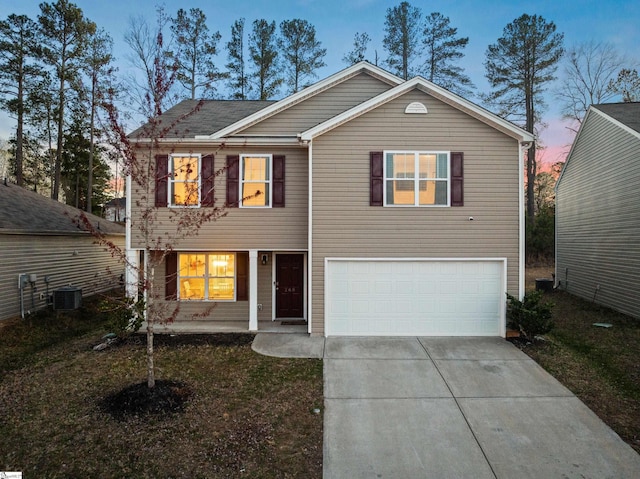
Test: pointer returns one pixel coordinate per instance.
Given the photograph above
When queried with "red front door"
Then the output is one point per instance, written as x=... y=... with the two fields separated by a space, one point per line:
x=290 y=286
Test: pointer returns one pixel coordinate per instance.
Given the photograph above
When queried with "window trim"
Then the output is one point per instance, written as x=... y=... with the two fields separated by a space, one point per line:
x=241 y=180
x=207 y=276
x=171 y=181
x=416 y=180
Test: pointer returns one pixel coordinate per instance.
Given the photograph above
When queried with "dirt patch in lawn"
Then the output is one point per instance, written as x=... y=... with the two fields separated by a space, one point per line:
x=599 y=365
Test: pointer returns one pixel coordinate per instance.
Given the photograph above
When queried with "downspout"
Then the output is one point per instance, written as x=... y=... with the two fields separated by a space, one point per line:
x=523 y=146
x=310 y=240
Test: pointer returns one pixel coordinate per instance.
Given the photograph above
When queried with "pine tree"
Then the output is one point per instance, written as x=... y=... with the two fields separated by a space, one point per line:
x=402 y=38
x=301 y=52
x=65 y=32
x=264 y=56
x=442 y=49
x=19 y=72
x=519 y=67
x=195 y=51
x=360 y=42
x=237 y=73
x=97 y=66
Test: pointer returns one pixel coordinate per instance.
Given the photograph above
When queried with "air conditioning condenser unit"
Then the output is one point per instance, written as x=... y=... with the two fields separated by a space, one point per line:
x=66 y=298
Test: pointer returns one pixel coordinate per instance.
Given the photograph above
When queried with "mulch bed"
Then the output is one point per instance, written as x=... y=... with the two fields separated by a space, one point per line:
x=166 y=397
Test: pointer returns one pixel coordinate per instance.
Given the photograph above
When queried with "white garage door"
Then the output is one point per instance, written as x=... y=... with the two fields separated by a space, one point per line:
x=414 y=298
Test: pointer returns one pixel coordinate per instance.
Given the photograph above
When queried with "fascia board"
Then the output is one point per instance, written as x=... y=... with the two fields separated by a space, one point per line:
x=418 y=82
x=303 y=94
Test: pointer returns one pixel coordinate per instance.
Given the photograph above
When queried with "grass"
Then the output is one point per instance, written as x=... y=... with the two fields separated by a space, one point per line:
x=599 y=365
x=249 y=416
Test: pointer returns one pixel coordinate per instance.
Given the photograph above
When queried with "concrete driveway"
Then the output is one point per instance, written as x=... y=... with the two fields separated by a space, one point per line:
x=451 y=408
x=457 y=408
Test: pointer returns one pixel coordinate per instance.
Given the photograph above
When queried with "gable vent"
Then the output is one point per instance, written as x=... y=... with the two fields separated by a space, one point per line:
x=415 y=108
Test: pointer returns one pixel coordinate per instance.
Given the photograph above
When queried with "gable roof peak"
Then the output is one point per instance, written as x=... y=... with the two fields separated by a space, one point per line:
x=311 y=90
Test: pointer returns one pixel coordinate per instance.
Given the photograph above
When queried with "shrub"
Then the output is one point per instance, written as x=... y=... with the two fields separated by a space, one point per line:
x=124 y=315
x=530 y=316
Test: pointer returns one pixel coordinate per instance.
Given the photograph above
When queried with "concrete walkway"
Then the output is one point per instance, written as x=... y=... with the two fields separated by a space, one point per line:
x=452 y=408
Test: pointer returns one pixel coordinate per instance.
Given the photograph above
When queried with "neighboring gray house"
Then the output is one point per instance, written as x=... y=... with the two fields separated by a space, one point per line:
x=598 y=210
x=386 y=207
x=40 y=243
x=115 y=209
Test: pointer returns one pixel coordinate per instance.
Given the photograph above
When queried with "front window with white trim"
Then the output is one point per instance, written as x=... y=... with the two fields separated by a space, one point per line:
x=416 y=178
x=184 y=180
x=207 y=276
x=255 y=180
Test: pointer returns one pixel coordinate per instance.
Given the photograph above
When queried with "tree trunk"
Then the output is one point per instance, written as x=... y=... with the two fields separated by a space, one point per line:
x=58 y=166
x=91 y=149
x=151 y=375
x=19 y=130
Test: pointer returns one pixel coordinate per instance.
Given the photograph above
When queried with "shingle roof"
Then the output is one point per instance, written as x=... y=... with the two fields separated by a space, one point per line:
x=25 y=211
x=626 y=113
x=212 y=116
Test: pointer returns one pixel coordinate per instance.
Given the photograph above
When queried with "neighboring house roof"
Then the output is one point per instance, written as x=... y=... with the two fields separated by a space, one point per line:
x=116 y=203
x=624 y=115
x=24 y=211
x=211 y=115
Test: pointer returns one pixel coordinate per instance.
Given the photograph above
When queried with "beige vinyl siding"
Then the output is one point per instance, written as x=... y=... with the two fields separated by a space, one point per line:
x=598 y=217
x=344 y=225
x=321 y=107
x=242 y=228
x=226 y=311
x=66 y=260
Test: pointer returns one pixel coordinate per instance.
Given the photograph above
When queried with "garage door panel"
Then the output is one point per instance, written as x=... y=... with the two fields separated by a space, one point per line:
x=428 y=297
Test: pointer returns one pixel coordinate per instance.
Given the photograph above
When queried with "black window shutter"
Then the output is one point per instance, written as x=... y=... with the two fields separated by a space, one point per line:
x=171 y=276
x=207 y=178
x=377 y=180
x=233 y=175
x=278 y=181
x=242 y=276
x=457 y=179
x=162 y=180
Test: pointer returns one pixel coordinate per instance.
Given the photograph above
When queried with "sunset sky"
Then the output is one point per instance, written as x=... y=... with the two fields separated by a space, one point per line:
x=336 y=22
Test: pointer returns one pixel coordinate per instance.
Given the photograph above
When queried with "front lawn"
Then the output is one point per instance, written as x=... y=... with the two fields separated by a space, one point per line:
x=249 y=415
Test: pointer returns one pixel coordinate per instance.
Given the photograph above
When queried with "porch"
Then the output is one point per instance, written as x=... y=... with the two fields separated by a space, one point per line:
x=212 y=327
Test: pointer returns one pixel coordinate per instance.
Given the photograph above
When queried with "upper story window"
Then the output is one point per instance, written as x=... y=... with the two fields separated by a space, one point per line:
x=255 y=180
x=184 y=180
x=416 y=178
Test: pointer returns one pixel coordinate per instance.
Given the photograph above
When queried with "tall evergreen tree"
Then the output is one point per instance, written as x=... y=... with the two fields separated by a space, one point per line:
x=18 y=73
x=236 y=67
x=301 y=52
x=402 y=38
x=519 y=67
x=97 y=66
x=360 y=43
x=264 y=56
x=442 y=49
x=65 y=32
x=195 y=49
x=627 y=85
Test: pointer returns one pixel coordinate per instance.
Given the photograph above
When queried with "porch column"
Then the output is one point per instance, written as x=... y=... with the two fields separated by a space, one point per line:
x=253 y=290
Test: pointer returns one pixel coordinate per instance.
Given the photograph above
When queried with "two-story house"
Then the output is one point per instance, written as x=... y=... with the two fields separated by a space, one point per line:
x=362 y=205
